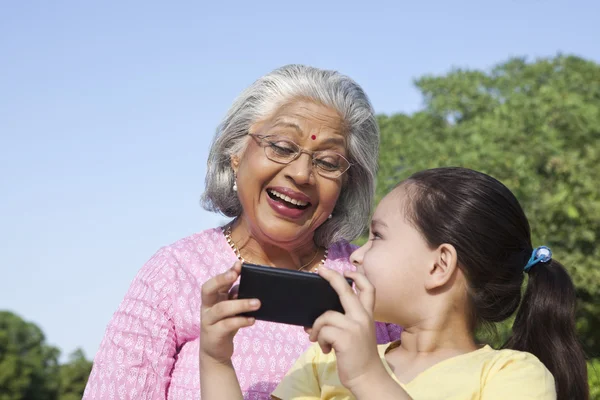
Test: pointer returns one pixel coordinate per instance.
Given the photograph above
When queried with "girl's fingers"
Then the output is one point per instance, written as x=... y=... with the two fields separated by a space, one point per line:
x=329 y=318
x=214 y=287
x=228 y=309
x=366 y=290
x=347 y=296
x=327 y=337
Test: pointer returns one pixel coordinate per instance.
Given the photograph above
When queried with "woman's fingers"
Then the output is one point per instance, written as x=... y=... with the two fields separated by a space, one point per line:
x=231 y=325
x=233 y=293
x=228 y=309
x=219 y=284
x=365 y=288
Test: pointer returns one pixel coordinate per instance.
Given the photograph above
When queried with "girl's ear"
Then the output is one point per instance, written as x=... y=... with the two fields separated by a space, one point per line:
x=442 y=268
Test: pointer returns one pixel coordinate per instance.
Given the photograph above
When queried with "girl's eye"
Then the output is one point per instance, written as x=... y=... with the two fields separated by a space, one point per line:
x=375 y=236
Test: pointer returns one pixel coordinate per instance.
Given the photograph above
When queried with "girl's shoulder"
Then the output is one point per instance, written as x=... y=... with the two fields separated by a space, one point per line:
x=516 y=360
x=511 y=374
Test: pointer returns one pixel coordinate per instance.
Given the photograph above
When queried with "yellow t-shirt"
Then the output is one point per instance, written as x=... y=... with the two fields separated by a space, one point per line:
x=485 y=374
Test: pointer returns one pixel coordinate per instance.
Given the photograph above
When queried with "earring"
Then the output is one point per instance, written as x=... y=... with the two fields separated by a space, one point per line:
x=330 y=215
x=235 y=186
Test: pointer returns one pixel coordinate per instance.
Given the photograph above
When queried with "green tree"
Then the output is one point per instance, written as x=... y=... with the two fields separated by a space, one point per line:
x=74 y=376
x=28 y=366
x=594 y=378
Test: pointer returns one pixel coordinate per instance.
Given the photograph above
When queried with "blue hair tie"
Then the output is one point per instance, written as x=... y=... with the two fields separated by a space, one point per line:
x=539 y=254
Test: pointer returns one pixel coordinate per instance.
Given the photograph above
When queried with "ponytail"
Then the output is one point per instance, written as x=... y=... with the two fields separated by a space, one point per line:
x=545 y=327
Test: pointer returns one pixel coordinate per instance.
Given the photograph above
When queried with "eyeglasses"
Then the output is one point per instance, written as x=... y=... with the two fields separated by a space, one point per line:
x=328 y=163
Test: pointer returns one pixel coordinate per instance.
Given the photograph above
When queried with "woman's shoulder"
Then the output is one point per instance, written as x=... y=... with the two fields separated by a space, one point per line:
x=341 y=250
x=194 y=256
x=187 y=248
x=338 y=255
x=207 y=240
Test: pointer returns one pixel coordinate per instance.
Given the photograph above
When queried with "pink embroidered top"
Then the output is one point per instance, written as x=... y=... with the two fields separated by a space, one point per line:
x=150 y=348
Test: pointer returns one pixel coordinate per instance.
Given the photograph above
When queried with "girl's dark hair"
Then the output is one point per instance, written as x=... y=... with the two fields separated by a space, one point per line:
x=483 y=220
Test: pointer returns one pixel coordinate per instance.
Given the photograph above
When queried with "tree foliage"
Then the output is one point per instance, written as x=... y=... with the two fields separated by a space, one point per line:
x=536 y=127
x=594 y=378
x=29 y=368
x=74 y=376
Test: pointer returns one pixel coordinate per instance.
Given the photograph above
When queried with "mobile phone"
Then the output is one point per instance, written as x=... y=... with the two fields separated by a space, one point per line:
x=288 y=297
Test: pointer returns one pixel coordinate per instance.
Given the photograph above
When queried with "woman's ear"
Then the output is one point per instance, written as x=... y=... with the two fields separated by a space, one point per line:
x=235 y=163
x=443 y=267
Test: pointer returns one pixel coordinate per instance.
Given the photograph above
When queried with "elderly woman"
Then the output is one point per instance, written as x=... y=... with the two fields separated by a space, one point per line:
x=293 y=163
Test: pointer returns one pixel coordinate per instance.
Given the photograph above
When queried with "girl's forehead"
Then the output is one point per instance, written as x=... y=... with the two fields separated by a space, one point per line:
x=393 y=205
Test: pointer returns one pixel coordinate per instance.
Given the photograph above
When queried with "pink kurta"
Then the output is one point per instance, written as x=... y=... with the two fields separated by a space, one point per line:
x=150 y=348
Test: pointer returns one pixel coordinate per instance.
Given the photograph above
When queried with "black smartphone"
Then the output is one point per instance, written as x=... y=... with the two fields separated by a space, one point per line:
x=288 y=297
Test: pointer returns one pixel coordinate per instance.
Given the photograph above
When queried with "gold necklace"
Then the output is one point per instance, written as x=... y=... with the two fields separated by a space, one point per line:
x=227 y=234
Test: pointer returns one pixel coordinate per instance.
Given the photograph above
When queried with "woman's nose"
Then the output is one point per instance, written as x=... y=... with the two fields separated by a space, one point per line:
x=301 y=169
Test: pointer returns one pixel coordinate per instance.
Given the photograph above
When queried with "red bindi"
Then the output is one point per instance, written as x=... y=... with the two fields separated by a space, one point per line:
x=313 y=137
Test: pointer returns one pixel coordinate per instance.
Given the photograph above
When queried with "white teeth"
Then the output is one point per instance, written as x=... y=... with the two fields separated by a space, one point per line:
x=288 y=199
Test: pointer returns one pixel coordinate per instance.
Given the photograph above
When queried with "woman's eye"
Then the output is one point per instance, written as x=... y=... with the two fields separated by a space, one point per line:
x=329 y=165
x=282 y=149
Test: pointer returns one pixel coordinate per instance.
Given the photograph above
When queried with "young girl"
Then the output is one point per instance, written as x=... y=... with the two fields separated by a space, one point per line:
x=449 y=249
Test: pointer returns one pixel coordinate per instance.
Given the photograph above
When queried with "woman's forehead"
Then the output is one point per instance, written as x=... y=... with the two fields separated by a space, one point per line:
x=306 y=117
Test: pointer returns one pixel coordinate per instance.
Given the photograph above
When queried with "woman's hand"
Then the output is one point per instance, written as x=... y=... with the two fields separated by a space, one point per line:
x=220 y=316
x=352 y=334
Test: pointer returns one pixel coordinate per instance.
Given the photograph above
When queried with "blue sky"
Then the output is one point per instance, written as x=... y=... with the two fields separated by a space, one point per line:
x=107 y=110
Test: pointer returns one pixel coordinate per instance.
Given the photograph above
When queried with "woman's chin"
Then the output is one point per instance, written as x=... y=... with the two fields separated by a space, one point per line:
x=281 y=231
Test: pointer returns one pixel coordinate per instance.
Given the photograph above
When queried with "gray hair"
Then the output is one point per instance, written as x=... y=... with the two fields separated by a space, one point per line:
x=262 y=98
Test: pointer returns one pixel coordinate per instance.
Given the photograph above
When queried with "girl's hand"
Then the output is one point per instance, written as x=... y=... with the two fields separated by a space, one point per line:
x=352 y=334
x=220 y=319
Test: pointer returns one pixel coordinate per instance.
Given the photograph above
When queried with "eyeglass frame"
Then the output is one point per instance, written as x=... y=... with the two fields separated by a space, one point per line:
x=301 y=151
